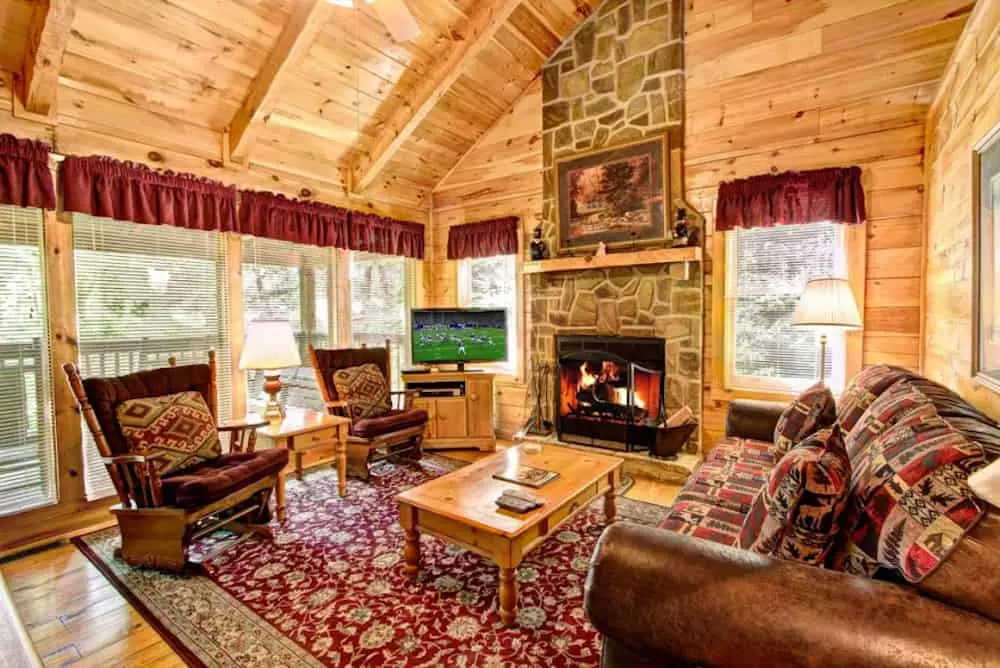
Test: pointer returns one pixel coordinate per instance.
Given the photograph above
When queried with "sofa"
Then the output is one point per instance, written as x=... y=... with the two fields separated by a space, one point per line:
x=687 y=594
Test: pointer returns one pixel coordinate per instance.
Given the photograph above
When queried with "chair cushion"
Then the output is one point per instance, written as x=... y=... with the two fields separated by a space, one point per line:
x=716 y=498
x=797 y=515
x=388 y=423
x=365 y=390
x=178 y=427
x=216 y=479
x=813 y=410
x=910 y=503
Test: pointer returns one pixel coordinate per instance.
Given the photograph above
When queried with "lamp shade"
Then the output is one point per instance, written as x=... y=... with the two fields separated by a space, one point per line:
x=270 y=345
x=986 y=483
x=827 y=302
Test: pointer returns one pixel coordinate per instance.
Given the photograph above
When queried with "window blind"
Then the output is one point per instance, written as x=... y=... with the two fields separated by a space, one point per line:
x=767 y=269
x=27 y=442
x=144 y=294
x=491 y=282
x=287 y=281
x=380 y=305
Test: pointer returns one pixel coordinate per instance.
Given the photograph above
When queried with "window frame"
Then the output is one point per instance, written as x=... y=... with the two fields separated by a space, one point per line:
x=855 y=250
x=513 y=368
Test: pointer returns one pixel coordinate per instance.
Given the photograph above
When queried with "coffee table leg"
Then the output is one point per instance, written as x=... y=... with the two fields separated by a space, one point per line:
x=342 y=460
x=411 y=551
x=611 y=499
x=508 y=595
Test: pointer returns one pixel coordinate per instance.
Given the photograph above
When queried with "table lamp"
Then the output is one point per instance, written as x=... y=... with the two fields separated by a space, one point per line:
x=270 y=347
x=827 y=303
x=986 y=483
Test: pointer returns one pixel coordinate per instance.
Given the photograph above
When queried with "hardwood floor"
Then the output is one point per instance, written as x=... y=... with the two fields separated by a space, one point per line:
x=75 y=617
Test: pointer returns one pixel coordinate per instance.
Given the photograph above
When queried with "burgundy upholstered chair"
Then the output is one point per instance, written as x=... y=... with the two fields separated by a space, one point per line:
x=158 y=516
x=400 y=431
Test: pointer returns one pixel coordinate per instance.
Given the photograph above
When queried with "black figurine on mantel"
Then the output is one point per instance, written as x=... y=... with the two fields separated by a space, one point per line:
x=539 y=249
x=685 y=234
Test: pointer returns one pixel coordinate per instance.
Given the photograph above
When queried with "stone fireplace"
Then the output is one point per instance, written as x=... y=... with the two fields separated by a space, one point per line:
x=625 y=316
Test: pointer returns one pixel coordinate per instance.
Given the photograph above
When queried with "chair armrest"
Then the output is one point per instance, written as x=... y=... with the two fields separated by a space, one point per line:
x=408 y=397
x=240 y=425
x=683 y=599
x=243 y=433
x=139 y=477
x=753 y=419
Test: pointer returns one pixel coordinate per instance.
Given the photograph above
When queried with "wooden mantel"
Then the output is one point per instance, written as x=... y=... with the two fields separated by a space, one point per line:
x=629 y=259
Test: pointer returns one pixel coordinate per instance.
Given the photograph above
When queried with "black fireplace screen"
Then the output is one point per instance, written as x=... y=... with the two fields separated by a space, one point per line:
x=610 y=390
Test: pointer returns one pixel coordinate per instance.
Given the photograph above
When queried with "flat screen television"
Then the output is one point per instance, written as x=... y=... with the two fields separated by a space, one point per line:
x=458 y=336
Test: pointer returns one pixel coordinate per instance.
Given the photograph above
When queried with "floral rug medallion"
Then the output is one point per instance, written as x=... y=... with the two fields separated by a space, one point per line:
x=330 y=589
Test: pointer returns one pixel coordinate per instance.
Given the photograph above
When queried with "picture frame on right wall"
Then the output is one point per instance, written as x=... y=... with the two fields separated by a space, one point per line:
x=986 y=275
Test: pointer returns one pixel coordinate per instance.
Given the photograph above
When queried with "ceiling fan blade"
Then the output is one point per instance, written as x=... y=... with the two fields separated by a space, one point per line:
x=398 y=18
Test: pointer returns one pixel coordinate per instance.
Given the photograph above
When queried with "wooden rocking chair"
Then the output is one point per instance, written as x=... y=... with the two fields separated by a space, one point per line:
x=159 y=517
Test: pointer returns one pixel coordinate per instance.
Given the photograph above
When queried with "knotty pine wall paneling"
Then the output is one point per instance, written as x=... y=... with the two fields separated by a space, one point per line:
x=967 y=107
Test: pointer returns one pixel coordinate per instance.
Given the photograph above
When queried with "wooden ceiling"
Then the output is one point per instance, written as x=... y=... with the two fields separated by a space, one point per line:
x=299 y=86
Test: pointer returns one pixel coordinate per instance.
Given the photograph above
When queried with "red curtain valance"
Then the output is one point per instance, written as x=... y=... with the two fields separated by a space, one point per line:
x=105 y=187
x=277 y=217
x=25 y=177
x=374 y=234
x=483 y=239
x=792 y=198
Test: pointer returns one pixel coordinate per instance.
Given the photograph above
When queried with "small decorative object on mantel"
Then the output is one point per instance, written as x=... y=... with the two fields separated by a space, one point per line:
x=681 y=229
x=602 y=250
x=539 y=249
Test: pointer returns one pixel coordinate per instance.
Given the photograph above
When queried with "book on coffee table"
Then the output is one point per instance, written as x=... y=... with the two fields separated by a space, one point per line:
x=527 y=475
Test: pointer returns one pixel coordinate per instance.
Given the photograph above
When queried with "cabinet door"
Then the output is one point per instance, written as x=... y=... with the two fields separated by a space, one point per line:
x=480 y=395
x=429 y=406
x=450 y=418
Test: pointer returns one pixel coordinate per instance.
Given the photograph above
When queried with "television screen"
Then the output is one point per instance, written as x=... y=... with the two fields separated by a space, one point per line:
x=459 y=335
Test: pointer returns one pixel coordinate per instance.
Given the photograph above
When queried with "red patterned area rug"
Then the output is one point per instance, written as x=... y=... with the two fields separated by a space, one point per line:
x=330 y=590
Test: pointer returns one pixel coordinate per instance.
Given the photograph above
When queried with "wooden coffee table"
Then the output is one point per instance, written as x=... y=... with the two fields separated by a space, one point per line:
x=459 y=508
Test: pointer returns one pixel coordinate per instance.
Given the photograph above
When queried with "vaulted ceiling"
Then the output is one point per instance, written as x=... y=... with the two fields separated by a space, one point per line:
x=301 y=86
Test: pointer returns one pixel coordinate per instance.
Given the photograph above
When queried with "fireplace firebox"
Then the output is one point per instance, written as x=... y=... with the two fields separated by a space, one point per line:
x=610 y=390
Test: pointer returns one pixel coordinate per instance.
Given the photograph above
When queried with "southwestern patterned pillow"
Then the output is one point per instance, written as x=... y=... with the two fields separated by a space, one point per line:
x=814 y=409
x=797 y=514
x=179 y=427
x=365 y=390
x=863 y=390
x=898 y=402
x=910 y=502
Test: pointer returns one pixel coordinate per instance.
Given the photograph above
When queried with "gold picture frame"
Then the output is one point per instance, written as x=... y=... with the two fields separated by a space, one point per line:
x=986 y=251
x=649 y=204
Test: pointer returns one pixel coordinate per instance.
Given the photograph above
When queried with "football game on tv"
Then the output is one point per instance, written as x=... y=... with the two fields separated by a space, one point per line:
x=456 y=336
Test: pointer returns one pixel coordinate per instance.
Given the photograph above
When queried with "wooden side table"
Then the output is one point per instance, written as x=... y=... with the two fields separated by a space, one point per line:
x=301 y=432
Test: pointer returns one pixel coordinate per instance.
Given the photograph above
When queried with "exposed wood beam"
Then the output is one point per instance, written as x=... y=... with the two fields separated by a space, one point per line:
x=304 y=26
x=48 y=36
x=483 y=24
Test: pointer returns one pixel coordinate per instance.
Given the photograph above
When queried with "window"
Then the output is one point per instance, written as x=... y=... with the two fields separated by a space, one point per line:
x=27 y=443
x=286 y=281
x=766 y=270
x=381 y=295
x=144 y=294
x=491 y=282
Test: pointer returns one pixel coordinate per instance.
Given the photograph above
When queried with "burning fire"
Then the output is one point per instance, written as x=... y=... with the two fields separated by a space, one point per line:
x=587 y=390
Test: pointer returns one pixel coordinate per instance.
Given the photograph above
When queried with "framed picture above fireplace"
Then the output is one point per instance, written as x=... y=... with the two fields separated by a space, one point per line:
x=616 y=195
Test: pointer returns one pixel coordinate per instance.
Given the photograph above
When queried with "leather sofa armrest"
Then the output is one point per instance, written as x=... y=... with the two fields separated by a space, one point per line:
x=753 y=419
x=678 y=599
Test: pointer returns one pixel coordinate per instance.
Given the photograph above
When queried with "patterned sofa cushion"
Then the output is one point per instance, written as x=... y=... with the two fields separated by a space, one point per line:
x=177 y=427
x=365 y=390
x=797 y=514
x=863 y=390
x=811 y=411
x=896 y=403
x=716 y=498
x=910 y=502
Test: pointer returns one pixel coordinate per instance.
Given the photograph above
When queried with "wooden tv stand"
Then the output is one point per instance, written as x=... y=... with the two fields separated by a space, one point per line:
x=460 y=405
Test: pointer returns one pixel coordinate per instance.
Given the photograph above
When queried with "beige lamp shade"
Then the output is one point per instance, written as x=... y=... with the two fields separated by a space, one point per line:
x=827 y=302
x=986 y=483
x=270 y=345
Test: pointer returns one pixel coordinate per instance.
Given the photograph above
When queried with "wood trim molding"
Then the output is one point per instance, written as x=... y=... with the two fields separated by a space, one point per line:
x=488 y=18
x=304 y=26
x=48 y=36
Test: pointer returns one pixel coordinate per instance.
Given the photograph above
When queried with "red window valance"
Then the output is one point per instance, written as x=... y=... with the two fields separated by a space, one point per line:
x=277 y=217
x=25 y=178
x=483 y=239
x=792 y=198
x=105 y=187
x=374 y=234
